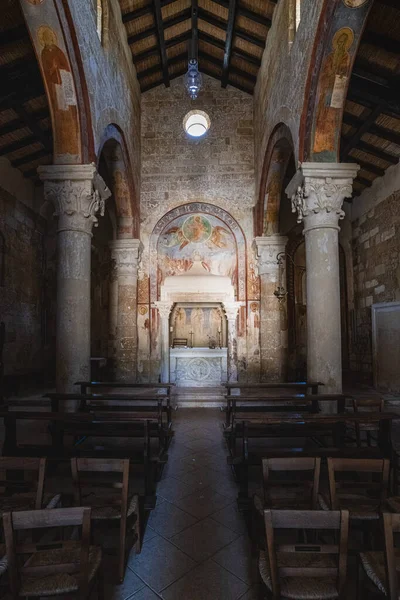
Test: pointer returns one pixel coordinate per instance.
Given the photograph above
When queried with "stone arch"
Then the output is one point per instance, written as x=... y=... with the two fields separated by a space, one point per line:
x=338 y=36
x=54 y=40
x=113 y=150
x=232 y=226
x=280 y=150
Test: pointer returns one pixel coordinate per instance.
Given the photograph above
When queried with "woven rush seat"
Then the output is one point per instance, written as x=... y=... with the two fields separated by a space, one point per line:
x=26 y=501
x=282 y=502
x=58 y=583
x=301 y=588
x=359 y=506
x=108 y=511
x=375 y=567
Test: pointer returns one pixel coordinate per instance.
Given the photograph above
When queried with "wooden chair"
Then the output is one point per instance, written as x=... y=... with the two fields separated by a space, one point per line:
x=51 y=568
x=20 y=491
x=381 y=568
x=366 y=405
x=94 y=486
x=290 y=569
x=357 y=485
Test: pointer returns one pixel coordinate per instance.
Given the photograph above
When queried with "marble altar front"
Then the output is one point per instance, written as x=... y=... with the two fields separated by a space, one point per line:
x=198 y=367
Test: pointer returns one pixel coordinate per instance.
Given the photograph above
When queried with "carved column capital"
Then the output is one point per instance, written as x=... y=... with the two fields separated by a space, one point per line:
x=317 y=192
x=125 y=256
x=231 y=310
x=266 y=250
x=78 y=194
x=164 y=308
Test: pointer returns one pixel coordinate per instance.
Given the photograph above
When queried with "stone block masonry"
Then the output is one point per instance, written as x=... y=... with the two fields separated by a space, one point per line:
x=376 y=262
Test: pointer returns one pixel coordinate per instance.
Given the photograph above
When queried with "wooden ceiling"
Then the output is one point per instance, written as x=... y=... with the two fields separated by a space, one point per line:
x=25 y=126
x=231 y=38
x=371 y=121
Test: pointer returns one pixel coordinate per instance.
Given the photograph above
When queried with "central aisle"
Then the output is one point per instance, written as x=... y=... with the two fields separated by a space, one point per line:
x=196 y=544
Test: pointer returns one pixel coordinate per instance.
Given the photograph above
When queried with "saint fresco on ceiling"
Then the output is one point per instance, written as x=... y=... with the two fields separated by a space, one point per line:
x=355 y=3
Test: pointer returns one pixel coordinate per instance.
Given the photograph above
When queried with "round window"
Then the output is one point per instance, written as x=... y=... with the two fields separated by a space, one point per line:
x=196 y=123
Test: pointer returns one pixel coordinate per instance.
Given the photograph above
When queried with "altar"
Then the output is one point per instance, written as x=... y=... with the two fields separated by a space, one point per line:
x=198 y=367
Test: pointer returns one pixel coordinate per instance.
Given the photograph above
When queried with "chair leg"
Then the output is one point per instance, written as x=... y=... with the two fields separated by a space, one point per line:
x=137 y=529
x=100 y=585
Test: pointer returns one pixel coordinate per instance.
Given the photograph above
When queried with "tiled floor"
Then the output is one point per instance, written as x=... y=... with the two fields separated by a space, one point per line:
x=195 y=545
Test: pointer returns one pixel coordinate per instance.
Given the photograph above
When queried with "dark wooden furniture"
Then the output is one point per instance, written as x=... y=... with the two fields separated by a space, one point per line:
x=94 y=386
x=144 y=445
x=179 y=343
x=306 y=571
x=380 y=569
x=51 y=568
x=357 y=485
x=366 y=405
x=108 y=498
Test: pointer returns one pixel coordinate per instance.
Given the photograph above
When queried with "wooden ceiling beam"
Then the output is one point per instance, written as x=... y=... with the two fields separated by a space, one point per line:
x=215 y=21
x=382 y=132
x=16 y=124
x=154 y=84
x=364 y=127
x=364 y=181
x=251 y=78
x=30 y=157
x=213 y=41
x=377 y=152
x=156 y=68
x=374 y=93
x=367 y=166
x=229 y=42
x=17 y=145
x=143 y=11
x=179 y=39
x=381 y=41
x=180 y=17
x=195 y=30
x=242 y=88
x=161 y=41
x=248 y=14
x=16 y=34
x=34 y=126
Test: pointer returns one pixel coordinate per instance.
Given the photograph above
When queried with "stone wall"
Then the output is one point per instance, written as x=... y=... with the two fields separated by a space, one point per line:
x=217 y=169
x=376 y=259
x=280 y=89
x=111 y=80
x=27 y=277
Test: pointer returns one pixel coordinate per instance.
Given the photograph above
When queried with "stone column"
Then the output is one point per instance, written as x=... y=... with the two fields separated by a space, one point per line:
x=78 y=193
x=164 y=310
x=317 y=192
x=273 y=323
x=125 y=256
x=231 y=310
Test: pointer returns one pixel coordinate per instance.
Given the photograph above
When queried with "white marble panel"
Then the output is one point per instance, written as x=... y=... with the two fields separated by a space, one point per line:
x=198 y=367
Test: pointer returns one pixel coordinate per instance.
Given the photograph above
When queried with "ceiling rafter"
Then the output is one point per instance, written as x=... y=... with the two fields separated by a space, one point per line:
x=18 y=144
x=18 y=123
x=143 y=11
x=161 y=41
x=367 y=166
x=215 y=21
x=248 y=14
x=209 y=39
x=382 y=132
x=233 y=69
x=180 y=17
x=364 y=127
x=30 y=157
x=229 y=42
x=179 y=39
x=377 y=152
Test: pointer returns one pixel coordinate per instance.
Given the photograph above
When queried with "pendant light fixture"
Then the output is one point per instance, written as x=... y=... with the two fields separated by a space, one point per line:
x=193 y=78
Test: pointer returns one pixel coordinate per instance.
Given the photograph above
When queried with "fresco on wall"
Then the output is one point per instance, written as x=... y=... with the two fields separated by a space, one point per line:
x=203 y=235
x=205 y=323
x=61 y=90
x=332 y=91
x=355 y=3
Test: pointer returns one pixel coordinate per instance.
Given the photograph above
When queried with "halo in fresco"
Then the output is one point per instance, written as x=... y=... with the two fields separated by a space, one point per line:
x=197 y=229
x=35 y=2
x=355 y=3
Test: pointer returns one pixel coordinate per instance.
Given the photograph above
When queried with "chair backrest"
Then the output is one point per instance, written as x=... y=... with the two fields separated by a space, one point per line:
x=18 y=475
x=317 y=521
x=299 y=476
x=391 y=525
x=92 y=476
x=361 y=405
x=349 y=477
x=21 y=521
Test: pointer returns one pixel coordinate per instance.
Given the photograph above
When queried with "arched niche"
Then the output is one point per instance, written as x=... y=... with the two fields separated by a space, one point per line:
x=278 y=156
x=199 y=229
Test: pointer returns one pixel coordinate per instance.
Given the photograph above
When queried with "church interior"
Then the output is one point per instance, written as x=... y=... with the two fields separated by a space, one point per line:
x=200 y=299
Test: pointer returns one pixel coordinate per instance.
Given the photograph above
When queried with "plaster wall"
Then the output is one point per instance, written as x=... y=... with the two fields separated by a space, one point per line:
x=217 y=169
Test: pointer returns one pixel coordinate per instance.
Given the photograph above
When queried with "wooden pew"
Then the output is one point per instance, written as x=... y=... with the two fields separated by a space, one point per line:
x=294 y=426
x=261 y=389
x=82 y=426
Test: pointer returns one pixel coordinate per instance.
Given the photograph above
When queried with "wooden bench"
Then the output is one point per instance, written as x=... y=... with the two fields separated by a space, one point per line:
x=95 y=385
x=295 y=426
x=82 y=426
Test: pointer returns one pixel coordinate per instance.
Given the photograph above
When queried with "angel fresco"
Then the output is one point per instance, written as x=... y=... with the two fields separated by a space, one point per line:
x=331 y=91
x=196 y=229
